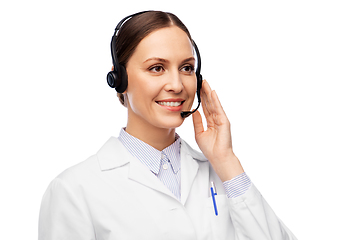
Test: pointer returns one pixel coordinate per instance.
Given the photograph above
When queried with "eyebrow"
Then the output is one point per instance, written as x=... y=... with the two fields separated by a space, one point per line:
x=165 y=61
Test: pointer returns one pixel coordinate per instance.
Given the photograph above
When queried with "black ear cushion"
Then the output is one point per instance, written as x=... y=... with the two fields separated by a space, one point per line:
x=123 y=80
x=111 y=79
x=118 y=79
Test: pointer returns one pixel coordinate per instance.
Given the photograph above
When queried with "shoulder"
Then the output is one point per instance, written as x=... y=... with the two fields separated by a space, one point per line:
x=80 y=172
x=110 y=155
x=88 y=177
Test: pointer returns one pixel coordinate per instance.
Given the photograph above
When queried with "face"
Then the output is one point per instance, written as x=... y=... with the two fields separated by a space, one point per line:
x=161 y=79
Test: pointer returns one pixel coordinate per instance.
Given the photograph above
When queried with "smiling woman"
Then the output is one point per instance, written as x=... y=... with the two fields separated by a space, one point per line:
x=149 y=183
x=134 y=31
x=160 y=71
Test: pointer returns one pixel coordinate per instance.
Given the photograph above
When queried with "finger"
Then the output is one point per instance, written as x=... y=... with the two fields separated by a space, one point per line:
x=204 y=105
x=220 y=113
x=206 y=99
x=217 y=104
x=206 y=90
x=198 y=124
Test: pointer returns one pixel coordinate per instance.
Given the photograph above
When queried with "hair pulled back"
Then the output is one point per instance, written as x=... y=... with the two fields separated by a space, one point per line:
x=136 y=29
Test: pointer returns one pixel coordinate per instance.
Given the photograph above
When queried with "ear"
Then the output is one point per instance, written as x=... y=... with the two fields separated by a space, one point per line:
x=123 y=99
x=112 y=68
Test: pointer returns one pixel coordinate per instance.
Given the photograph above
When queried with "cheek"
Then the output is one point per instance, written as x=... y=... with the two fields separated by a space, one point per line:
x=191 y=87
x=140 y=92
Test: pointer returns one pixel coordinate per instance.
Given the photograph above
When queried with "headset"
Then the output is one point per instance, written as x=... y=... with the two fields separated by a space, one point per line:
x=118 y=78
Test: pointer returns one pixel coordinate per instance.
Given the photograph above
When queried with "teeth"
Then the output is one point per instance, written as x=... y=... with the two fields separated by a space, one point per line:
x=170 y=104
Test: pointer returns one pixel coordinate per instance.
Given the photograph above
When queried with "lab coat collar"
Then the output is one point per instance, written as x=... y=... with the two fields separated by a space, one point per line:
x=114 y=155
x=185 y=148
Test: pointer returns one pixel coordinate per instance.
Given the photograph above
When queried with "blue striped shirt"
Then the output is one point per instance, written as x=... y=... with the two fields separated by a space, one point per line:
x=166 y=165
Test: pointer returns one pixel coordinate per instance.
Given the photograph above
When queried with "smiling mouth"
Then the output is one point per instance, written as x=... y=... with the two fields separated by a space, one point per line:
x=170 y=104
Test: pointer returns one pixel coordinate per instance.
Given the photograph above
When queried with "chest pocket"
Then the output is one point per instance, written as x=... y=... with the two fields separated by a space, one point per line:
x=221 y=225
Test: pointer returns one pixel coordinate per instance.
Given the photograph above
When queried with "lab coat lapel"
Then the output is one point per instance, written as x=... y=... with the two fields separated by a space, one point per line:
x=114 y=155
x=140 y=173
x=189 y=169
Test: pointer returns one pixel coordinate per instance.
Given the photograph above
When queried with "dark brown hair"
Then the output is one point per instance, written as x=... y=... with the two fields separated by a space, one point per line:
x=137 y=28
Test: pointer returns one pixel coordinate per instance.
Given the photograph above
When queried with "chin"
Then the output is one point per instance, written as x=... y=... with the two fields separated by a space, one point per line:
x=170 y=122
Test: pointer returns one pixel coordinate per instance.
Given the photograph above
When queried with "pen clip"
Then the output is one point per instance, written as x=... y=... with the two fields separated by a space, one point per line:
x=214 y=188
x=213 y=193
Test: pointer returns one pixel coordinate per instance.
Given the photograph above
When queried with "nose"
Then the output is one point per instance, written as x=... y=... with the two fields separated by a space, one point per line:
x=174 y=82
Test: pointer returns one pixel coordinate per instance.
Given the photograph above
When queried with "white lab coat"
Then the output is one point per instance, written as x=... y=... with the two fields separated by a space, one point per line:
x=112 y=196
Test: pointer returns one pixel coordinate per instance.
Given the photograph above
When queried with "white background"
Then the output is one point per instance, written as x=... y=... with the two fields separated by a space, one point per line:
x=286 y=72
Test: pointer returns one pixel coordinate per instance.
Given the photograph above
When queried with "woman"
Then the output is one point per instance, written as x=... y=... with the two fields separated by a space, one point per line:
x=149 y=183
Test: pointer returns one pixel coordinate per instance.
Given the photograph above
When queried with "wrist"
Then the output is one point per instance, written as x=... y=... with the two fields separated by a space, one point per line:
x=228 y=167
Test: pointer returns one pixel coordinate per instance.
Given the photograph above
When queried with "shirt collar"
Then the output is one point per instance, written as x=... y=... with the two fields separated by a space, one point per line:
x=150 y=156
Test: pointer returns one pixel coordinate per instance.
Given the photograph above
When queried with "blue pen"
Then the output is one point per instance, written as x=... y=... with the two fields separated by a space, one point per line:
x=213 y=193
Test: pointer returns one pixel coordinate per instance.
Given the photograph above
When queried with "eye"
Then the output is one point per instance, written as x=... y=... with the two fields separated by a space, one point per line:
x=188 y=69
x=157 y=69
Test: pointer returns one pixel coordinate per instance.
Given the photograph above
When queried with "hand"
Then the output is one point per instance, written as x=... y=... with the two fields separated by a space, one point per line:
x=215 y=142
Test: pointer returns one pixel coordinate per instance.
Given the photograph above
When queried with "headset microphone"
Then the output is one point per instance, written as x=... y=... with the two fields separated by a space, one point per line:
x=185 y=114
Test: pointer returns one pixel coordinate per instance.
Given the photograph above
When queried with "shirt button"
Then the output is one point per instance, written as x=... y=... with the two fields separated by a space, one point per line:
x=165 y=166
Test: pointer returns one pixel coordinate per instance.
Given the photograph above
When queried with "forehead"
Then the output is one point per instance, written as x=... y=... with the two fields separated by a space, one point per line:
x=169 y=43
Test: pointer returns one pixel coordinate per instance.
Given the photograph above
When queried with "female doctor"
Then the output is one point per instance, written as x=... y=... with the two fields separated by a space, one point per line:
x=149 y=183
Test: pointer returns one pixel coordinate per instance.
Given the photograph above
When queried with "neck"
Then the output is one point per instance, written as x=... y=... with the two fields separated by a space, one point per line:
x=158 y=138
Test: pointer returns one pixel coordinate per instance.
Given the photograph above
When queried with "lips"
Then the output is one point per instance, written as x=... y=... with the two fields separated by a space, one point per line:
x=171 y=104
